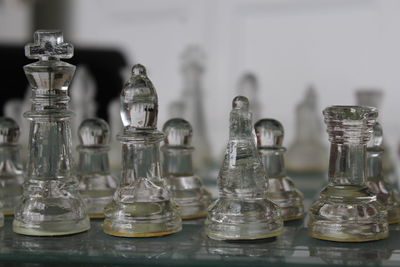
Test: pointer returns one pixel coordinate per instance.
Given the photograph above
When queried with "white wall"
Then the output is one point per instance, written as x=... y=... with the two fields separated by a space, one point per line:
x=337 y=45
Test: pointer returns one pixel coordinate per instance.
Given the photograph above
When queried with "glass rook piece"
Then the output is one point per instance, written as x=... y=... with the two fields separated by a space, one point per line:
x=346 y=210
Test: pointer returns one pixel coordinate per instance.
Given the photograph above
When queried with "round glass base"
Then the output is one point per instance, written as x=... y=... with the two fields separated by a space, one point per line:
x=348 y=214
x=56 y=228
x=142 y=219
x=240 y=219
x=192 y=197
x=284 y=193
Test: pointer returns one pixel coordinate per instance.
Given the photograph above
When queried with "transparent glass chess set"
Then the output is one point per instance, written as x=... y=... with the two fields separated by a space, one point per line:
x=154 y=195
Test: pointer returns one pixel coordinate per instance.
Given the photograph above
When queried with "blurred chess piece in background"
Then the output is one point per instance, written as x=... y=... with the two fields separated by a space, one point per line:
x=248 y=86
x=193 y=68
x=308 y=153
x=83 y=103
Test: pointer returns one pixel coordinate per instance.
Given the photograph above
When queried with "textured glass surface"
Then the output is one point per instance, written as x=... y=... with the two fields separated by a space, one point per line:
x=96 y=184
x=281 y=188
x=242 y=210
x=308 y=153
x=142 y=205
x=191 y=247
x=51 y=204
x=186 y=188
x=376 y=179
x=346 y=211
x=11 y=171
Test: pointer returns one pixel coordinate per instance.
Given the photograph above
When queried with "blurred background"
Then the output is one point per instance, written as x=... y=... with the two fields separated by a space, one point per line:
x=337 y=46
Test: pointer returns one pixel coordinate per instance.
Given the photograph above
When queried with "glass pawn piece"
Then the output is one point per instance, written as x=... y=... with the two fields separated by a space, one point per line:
x=142 y=205
x=376 y=180
x=51 y=204
x=346 y=211
x=116 y=126
x=373 y=97
x=11 y=171
x=187 y=189
x=281 y=188
x=96 y=184
x=308 y=153
x=242 y=211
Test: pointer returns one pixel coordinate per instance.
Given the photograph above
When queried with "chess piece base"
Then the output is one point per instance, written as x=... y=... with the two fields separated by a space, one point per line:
x=191 y=196
x=96 y=200
x=283 y=192
x=50 y=208
x=64 y=227
x=241 y=219
x=347 y=213
x=145 y=219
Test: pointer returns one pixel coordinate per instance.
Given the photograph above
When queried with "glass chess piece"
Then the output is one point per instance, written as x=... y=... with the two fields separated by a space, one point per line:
x=96 y=184
x=242 y=211
x=346 y=211
x=83 y=93
x=376 y=180
x=14 y=109
x=116 y=127
x=142 y=205
x=11 y=171
x=372 y=97
x=281 y=189
x=193 y=67
x=51 y=204
x=186 y=188
x=248 y=87
x=307 y=153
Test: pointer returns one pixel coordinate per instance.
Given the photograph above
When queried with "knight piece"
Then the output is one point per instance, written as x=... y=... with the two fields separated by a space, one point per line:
x=242 y=211
x=96 y=184
x=346 y=211
x=51 y=204
x=307 y=153
x=186 y=188
x=142 y=205
x=11 y=171
x=376 y=180
x=281 y=188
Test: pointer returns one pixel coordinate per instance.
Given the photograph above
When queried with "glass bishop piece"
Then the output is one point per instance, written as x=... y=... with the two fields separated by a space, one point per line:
x=186 y=188
x=376 y=179
x=242 y=210
x=346 y=211
x=142 y=205
x=11 y=171
x=51 y=203
x=281 y=188
x=96 y=184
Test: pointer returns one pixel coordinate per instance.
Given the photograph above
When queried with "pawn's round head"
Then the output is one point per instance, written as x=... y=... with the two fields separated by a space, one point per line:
x=240 y=102
x=9 y=131
x=93 y=132
x=269 y=133
x=178 y=132
x=139 y=101
x=377 y=136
